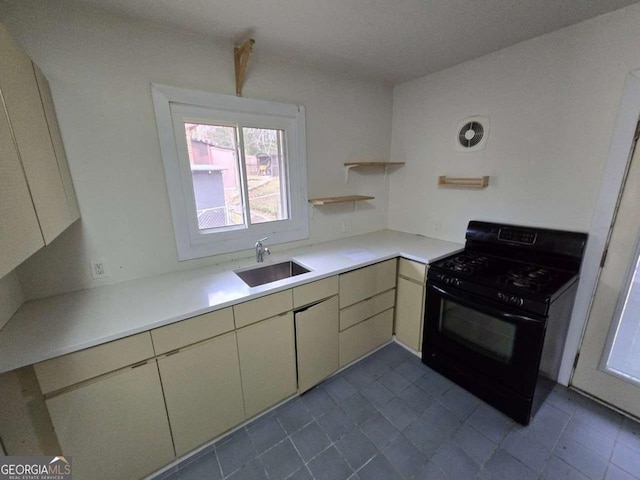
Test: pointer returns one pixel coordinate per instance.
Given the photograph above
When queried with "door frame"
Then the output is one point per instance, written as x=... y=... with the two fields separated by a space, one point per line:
x=612 y=180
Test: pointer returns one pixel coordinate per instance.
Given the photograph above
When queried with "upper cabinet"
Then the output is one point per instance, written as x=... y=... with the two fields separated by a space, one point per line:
x=37 y=181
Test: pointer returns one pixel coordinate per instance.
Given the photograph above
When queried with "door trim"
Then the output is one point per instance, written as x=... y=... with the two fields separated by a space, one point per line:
x=613 y=176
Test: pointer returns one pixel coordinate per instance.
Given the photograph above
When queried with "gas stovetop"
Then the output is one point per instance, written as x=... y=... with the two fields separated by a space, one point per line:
x=538 y=282
x=524 y=267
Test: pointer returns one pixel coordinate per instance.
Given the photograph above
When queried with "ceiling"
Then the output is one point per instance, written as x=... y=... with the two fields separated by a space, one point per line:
x=388 y=40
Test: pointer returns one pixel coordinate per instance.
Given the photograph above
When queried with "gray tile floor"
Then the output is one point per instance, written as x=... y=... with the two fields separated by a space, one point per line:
x=390 y=417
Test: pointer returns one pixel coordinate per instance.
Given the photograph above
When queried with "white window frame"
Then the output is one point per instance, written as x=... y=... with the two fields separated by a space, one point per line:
x=192 y=104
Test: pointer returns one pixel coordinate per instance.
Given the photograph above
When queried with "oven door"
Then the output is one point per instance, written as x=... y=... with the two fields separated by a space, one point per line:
x=494 y=341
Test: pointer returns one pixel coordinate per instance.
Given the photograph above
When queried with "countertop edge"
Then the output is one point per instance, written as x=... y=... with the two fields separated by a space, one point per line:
x=21 y=358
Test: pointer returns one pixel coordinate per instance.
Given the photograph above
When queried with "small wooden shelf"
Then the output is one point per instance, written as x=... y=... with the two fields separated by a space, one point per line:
x=373 y=164
x=349 y=165
x=466 y=182
x=348 y=198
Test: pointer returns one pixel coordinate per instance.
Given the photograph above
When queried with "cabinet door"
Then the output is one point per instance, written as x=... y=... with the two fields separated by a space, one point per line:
x=115 y=427
x=317 y=343
x=202 y=390
x=56 y=141
x=31 y=132
x=267 y=362
x=20 y=234
x=409 y=308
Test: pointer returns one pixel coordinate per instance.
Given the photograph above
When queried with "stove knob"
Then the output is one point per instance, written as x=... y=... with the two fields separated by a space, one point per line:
x=457 y=282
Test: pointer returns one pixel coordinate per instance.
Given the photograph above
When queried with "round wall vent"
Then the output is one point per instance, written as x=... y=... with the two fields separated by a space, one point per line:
x=472 y=134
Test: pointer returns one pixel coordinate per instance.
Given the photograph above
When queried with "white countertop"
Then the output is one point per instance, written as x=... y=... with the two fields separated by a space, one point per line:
x=50 y=327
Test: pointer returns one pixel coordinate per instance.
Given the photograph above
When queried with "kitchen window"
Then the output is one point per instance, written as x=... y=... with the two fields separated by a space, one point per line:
x=235 y=170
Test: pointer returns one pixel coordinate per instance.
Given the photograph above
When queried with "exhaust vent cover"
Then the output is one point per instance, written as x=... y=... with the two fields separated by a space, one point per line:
x=472 y=134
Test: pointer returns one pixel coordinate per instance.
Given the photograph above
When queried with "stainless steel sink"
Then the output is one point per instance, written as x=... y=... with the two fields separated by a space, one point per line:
x=270 y=273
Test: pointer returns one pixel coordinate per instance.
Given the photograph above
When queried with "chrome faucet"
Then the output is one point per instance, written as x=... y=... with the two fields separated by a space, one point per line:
x=260 y=250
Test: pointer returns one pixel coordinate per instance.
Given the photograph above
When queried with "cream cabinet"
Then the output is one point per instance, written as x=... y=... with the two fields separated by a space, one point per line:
x=114 y=427
x=410 y=303
x=317 y=343
x=366 y=282
x=267 y=362
x=367 y=298
x=20 y=234
x=256 y=310
x=31 y=133
x=365 y=336
x=203 y=391
x=74 y=368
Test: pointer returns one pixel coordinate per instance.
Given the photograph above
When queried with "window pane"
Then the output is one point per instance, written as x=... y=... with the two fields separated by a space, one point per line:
x=264 y=153
x=625 y=353
x=215 y=175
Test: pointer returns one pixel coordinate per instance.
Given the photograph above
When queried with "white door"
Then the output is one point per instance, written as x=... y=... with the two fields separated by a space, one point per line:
x=608 y=366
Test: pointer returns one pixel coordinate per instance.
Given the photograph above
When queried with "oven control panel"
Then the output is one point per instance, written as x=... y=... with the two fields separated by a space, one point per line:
x=510 y=299
x=517 y=235
x=447 y=280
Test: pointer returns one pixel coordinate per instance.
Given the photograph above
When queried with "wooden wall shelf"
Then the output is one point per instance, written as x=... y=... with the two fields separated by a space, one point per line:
x=466 y=182
x=349 y=165
x=330 y=200
x=348 y=198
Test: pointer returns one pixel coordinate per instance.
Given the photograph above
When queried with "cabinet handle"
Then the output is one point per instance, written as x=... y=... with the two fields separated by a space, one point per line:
x=139 y=364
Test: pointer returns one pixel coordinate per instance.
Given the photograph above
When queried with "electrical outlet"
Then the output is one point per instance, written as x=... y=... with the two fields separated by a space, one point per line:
x=99 y=269
x=437 y=226
x=345 y=226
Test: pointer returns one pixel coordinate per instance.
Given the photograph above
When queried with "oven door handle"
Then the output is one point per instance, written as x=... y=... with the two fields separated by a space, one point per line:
x=472 y=303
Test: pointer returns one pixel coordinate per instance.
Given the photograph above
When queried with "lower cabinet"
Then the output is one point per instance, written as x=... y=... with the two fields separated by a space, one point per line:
x=410 y=303
x=409 y=308
x=115 y=427
x=202 y=391
x=365 y=336
x=317 y=343
x=267 y=362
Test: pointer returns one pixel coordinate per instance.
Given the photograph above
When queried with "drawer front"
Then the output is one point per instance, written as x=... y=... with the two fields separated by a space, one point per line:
x=192 y=330
x=312 y=292
x=79 y=366
x=366 y=282
x=413 y=270
x=354 y=314
x=364 y=337
x=261 y=308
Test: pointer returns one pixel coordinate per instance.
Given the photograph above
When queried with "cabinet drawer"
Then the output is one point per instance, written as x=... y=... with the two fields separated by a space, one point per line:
x=367 y=282
x=77 y=367
x=312 y=292
x=366 y=309
x=365 y=336
x=413 y=270
x=255 y=310
x=192 y=330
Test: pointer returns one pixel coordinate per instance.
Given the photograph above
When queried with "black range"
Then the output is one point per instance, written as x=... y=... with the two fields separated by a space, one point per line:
x=496 y=314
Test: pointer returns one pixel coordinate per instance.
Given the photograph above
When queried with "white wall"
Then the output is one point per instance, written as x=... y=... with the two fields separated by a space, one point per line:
x=100 y=67
x=553 y=103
